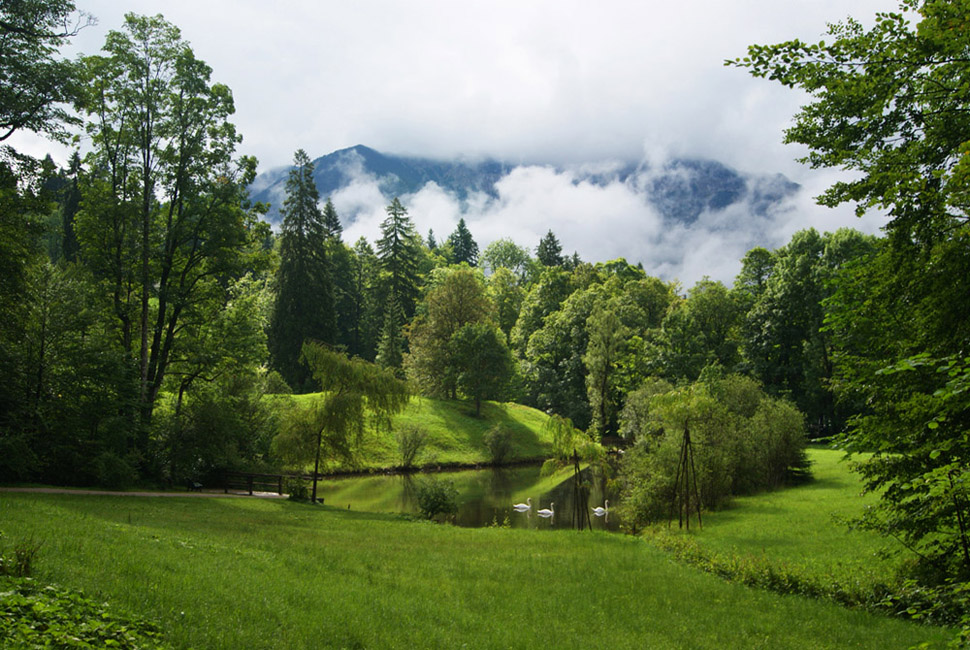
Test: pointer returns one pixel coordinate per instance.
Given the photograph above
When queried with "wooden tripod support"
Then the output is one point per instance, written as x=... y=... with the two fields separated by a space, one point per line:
x=580 y=497
x=685 y=484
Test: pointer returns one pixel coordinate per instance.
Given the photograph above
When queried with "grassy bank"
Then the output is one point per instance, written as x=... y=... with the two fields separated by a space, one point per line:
x=454 y=433
x=798 y=541
x=232 y=573
x=804 y=527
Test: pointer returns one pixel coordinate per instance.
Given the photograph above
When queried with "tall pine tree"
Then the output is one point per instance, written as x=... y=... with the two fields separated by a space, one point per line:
x=463 y=246
x=304 y=307
x=398 y=250
x=549 y=251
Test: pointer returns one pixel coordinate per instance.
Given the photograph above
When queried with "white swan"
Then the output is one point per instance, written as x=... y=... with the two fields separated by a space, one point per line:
x=523 y=507
x=547 y=512
x=599 y=512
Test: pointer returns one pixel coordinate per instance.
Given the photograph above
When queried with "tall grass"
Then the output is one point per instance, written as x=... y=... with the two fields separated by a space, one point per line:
x=246 y=573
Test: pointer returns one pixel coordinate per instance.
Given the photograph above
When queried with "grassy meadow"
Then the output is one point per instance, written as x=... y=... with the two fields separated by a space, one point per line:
x=804 y=528
x=231 y=573
x=454 y=432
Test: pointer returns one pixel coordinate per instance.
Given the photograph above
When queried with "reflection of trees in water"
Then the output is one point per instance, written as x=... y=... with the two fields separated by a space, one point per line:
x=499 y=484
x=409 y=494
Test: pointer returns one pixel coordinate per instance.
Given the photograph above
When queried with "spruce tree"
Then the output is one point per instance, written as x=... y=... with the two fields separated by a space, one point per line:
x=304 y=306
x=331 y=222
x=463 y=246
x=398 y=250
x=364 y=313
x=549 y=251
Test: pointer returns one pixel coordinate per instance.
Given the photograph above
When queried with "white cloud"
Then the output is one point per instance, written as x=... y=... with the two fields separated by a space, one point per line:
x=551 y=81
x=602 y=222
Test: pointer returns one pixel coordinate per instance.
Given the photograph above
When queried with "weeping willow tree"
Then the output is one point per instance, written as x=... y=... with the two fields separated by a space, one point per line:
x=355 y=395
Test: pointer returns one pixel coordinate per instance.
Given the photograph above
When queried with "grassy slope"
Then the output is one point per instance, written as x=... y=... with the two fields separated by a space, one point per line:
x=455 y=434
x=804 y=527
x=231 y=573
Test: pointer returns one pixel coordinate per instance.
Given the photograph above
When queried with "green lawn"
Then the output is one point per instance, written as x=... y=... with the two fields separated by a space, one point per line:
x=804 y=527
x=248 y=573
x=455 y=433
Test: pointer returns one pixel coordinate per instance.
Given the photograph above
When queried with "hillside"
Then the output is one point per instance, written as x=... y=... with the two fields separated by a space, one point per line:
x=454 y=434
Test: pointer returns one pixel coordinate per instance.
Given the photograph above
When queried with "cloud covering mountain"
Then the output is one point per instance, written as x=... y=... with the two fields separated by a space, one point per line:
x=682 y=219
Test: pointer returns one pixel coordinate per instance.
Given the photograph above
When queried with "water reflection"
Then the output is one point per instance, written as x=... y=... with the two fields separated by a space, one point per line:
x=485 y=496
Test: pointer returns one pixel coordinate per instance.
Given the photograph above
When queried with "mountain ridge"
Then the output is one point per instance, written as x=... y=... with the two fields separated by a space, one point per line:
x=680 y=190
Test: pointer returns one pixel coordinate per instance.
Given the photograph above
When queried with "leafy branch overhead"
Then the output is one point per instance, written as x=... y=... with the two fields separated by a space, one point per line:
x=890 y=102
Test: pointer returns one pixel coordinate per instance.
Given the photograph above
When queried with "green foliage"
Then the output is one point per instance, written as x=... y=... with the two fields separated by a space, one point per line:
x=498 y=442
x=166 y=222
x=297 y=489
x=225 y=424
x=549 y=251
x=916 y=431
x=436 y=497
x=506 y=254
x=398 y=250
x=602 y=359
x=785 y=344
x=36 y=84
x=568 y=440
x=482 y=361
x=362 y=302
x=411 y=442
x=355 y=393
x=36 y=616
x=886 y=102
x=464 y=250
x=889 y=102
x=456 y=298
x=743 y=442
x=506 y=295
x=636 y=420
x=304 y=305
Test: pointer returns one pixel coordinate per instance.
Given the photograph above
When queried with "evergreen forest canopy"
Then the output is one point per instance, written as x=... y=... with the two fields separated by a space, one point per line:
x=148 y=309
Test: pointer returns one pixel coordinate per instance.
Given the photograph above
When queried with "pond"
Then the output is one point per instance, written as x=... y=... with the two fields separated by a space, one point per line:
x=485 y=496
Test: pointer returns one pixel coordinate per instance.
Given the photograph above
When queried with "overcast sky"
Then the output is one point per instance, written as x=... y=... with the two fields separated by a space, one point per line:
x=537 y=81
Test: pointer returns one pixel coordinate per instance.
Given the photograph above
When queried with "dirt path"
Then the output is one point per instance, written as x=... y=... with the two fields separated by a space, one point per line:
x=205 y=494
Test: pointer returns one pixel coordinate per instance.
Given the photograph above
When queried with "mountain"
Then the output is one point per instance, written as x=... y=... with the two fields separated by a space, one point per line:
x=680 y=190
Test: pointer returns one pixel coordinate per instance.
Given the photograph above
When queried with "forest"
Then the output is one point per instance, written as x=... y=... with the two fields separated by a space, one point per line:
x=149 y=313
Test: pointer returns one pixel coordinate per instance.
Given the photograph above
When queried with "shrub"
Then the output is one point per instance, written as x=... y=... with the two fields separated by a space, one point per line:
x=411 y=441
x=436 y=497
x=297 y=489
x=498 y=441
x=742 y=441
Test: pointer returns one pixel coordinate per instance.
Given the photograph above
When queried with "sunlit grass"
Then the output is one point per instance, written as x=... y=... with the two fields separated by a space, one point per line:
x=247 y=573
x=804 y=527
x=454 y=432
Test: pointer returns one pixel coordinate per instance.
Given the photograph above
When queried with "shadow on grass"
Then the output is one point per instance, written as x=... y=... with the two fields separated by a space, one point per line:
x=440 y=416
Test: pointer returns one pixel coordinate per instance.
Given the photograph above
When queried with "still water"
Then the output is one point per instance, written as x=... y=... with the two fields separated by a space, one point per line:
x=485 y=496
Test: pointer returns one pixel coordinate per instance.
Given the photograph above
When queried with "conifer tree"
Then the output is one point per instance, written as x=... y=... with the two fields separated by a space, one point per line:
x=398 y=250
x=549 y=251
x=364 y=312
x=463 y=246
x=304 y=307
x=331 y=222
